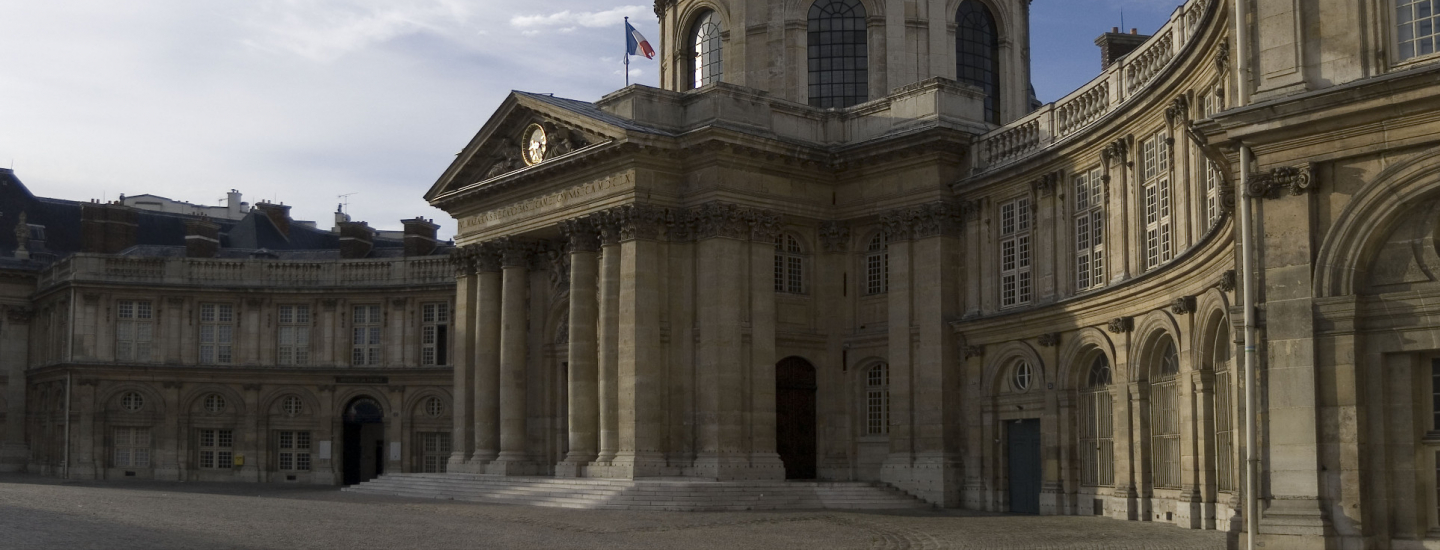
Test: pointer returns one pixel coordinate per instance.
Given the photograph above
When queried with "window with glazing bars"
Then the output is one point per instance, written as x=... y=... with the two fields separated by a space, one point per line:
x=1165 y=419
x=1224 y=431
x=365 y=339
x=1015 y=288
x=706 y=62
x=132 y=447
x=292 y=451
x=1416 y=23
x=1097 y=444
x=294 y=337
x=217 y=334
x=789 y=265
x=1155 y=196
x=877 y=400
x=134 y=330
x=1214 y=210
x=434 y=452
x=838 y=54
x=977 y=53
x=1089 y=230
x=877 y=266
x=434 y=334
x=216 y=449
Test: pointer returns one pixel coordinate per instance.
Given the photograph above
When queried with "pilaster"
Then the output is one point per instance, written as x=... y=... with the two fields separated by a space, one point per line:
x=462 y=439
x=641 y=382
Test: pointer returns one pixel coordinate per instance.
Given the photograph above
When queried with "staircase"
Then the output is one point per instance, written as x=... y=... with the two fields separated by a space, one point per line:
x=648 y=494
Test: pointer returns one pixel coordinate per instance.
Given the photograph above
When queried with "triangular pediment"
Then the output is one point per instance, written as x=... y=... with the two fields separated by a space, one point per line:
x=503 y=145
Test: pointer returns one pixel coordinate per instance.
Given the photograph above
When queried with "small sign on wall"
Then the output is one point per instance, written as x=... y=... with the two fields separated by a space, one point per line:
x=394 y=450
x=239 y=460
x=324 y=450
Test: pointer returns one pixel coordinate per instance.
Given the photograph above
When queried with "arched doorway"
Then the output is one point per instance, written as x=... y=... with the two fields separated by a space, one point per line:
x=364 y=445
x=795 y=417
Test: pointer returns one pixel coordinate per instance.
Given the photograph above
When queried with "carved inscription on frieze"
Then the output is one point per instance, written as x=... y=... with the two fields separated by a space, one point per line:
x=553 y=201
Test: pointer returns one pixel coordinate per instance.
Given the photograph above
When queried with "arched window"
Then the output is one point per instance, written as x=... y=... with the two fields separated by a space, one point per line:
x=877 y=400
x=877 y=266
x=1023 y=377
x=789 y=265
x=1165 y=416
x=977 y=53
x=706 y=62
x=1097 y=448
x=838 y=54
x=1224 y=400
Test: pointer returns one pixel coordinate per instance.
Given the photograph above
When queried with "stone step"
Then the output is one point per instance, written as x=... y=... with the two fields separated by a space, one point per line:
x=663 y=494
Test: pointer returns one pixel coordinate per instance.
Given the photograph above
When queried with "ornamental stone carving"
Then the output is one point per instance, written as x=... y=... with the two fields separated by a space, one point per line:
x=834 y=236
x=974 y=351
x=1183 y=305
x=463 y=260
x=764 y=225
x=19 y=315
x=1120 y=325
x=514 y=251
x=1227 y=281
x=1047 y=183
x=487 y=258
x=719 y=220
x=1118 y=149
x=582 y=234
x=559 y=266
x=926 y=220
x=1298 y=180
x=639 y=221
x=1050 y=339
x=1178 y=110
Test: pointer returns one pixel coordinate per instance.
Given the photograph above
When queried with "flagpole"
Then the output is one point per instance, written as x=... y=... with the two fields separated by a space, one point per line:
x=627 y=52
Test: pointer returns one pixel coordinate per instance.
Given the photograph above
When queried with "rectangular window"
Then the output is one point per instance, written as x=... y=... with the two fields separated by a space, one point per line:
x=434 y=334
x=1089 y=230
x=877 y=267
x=877 y=400
x=293 y=451
x=434 y=452
x=1165 y=433
x=216 y=449
x=294 y=341
x=134 y=330
x=1224 y=445
x=1415 y=27
x=1155 y=198
x=1015 y=288
x=132 y=448
x=1097 y=444
x=217 y=333
x=1213 y=184
x=366 y=341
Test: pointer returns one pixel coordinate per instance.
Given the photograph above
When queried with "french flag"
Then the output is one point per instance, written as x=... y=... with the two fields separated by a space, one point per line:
x=636 y=44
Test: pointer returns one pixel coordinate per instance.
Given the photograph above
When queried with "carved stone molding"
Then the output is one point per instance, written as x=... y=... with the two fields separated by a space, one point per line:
x=87 y=382
x=329 y=303
x=1227 y=281
x=559 y=266
x=639 y=221
x=254 y=303
x=834 y=237
x=1222 y=56
x=395 y=388
x=250 y=387
x=1298 y=179
x=926 y=220
x=971 y=210
x=514 y=251
x=175 y=301
x=463 y=260
x=1120 y=325
x=582 y=234
x=399 y=303
x=764 y=225
x=19 y=315
x=974 y=351
x=173 y=385
x=1050 y=339
x=718 y=220
x=1047 y=183
x=1178 y=110
x=90 y=297
x=488 y=258
x=1183 y=305
x=1118 y=149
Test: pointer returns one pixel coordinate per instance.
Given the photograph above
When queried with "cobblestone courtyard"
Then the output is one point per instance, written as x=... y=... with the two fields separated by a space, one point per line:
x=45 y=513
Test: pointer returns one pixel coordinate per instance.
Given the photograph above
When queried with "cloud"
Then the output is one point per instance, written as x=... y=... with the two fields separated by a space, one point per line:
x=323 y=30
x=567 y=19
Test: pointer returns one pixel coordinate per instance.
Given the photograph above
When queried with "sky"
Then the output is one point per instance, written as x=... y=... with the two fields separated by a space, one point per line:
x=302 y=101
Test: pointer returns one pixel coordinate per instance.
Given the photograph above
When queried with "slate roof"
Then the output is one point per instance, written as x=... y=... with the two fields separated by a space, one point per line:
x=589 y=110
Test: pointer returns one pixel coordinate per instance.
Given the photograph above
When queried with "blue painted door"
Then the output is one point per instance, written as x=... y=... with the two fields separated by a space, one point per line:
x=1024 y=438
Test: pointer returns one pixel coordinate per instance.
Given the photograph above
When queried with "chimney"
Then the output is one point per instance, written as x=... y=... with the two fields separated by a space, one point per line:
x=1115 y=45
x=419 y=236
x=356 y=240
x=233 y=204
x=279 y=214
x=202 y=238
x=108 y=228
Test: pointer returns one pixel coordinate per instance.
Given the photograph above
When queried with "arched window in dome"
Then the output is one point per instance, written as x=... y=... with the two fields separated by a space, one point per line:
x=706 y=63
x=977 y=53
x=838 y=54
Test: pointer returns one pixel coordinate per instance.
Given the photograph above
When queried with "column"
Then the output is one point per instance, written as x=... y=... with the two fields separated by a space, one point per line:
x=584 y=395
x=607 y=336
x=513 y=458
x=641 y=359
x=896 y=469
x=934 y=264
x=487 y=355
x=764 y=461
x=462 y=443
x=14 y=356
x=720 y=280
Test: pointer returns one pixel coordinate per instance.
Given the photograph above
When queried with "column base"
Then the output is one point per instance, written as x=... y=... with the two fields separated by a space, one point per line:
x=574 y=465
x=512 y=466
x=1293 y=523
x=638 y=465
x=1052 y=499
x=739 y=467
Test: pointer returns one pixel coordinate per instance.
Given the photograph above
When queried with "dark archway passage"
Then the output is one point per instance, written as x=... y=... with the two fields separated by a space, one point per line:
x=1025 y=472
x=795 y=417
x=364 y=445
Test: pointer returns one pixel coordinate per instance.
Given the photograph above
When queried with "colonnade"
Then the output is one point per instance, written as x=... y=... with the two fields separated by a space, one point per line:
x=670 y=350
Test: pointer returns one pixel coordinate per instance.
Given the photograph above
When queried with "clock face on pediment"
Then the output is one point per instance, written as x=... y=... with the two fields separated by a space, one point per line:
x=535 y=143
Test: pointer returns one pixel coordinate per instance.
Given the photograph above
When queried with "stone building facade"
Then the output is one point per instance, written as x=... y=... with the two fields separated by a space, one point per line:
x=251 y=347
x=840 y=242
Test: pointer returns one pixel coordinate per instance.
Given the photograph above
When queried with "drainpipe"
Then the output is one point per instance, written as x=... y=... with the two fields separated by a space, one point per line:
x=66 y=467
x=1248 y=283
